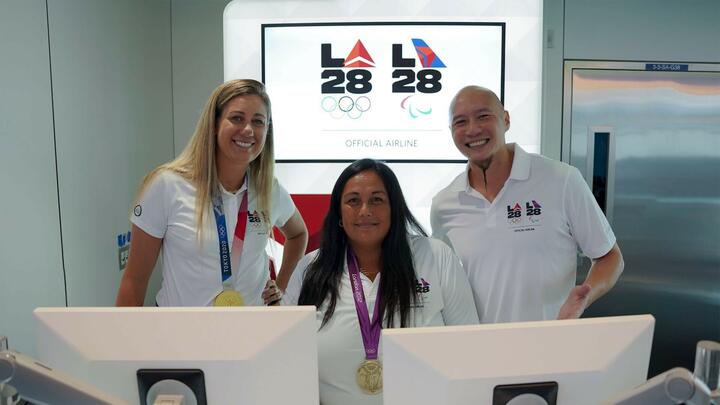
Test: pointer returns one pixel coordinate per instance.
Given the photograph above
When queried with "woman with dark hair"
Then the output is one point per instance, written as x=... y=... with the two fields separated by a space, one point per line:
x=374 y=258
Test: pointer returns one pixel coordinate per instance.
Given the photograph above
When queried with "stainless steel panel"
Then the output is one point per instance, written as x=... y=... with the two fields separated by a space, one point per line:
x=666 y=198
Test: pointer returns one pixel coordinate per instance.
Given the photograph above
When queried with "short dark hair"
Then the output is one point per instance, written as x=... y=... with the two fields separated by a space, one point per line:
x=397 y=285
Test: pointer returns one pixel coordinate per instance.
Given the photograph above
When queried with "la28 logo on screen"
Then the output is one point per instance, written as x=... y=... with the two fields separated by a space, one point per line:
x=355 y=81
x=425 y=80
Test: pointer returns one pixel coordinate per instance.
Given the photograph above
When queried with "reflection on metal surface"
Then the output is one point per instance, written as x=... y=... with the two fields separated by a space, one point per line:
x=666 y=202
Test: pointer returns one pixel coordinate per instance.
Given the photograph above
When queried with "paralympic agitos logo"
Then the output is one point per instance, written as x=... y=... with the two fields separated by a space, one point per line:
x=352 y=74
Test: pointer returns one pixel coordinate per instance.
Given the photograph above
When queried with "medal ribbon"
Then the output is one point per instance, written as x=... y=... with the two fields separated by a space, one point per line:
x=229 y=260
x=370 y=330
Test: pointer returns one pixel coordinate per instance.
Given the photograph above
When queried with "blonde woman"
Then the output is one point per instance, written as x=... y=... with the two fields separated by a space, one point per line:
x=211 y=210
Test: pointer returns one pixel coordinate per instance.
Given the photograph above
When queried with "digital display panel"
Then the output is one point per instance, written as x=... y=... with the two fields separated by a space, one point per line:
x=342 y=92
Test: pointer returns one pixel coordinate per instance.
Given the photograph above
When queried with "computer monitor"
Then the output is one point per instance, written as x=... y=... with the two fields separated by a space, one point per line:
x=250 y=355
x=583 y=361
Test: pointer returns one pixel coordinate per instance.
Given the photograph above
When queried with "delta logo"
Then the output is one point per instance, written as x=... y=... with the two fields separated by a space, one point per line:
x=359 y=57
x=428 y=57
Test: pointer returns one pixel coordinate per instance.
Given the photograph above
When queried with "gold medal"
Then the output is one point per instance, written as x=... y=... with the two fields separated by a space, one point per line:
x=369 y=377
x=228 y=298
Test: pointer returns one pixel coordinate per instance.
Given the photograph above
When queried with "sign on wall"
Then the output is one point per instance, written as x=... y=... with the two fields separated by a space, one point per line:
x=346 y=91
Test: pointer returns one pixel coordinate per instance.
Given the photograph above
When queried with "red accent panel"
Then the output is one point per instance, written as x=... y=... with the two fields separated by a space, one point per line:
x=312 y=208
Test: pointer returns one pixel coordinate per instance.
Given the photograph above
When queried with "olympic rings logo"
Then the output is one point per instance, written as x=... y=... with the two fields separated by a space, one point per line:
x=345 y=106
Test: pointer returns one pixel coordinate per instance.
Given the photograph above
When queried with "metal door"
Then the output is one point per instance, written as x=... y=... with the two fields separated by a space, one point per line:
x=647 y=138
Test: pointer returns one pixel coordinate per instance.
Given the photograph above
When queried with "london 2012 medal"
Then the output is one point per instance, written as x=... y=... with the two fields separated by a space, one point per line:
x=228 y=298
x=369 y=377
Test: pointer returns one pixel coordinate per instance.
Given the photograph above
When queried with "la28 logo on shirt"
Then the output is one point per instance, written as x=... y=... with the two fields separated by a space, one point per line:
x=533 y=212
x=255 y=220
x=514 y=214
x=422 y=286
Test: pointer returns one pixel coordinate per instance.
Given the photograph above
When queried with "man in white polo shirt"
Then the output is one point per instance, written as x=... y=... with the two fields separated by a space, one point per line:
x=516 y=220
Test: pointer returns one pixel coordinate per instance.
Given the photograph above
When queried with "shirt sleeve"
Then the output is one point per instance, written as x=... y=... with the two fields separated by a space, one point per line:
x=436 y=226
x=459 y=306
x=151 y=210
x=588 y=224
x=292 y=292
x=283 y=207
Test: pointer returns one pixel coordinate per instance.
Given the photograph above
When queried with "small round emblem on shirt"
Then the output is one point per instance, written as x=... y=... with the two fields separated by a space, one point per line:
x=137 y=210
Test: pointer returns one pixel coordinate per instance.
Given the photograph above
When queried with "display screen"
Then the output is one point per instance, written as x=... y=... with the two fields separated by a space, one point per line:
x=342 y=92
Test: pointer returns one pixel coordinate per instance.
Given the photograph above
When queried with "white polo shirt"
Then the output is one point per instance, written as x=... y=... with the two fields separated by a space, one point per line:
x=446 y=299
x=191 y=274
x=520 y=251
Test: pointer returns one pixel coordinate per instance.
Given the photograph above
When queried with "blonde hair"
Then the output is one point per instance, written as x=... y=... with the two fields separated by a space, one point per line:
x=197 y=163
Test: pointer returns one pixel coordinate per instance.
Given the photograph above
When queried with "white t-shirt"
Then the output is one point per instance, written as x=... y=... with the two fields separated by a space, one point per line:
x=191 y=269
x=446 y=299
x=520 y=251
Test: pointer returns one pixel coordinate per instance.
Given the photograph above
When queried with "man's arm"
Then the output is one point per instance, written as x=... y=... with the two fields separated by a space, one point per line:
x=604 y=273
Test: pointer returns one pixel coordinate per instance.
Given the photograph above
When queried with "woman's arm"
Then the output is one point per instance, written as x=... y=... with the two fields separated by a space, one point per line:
x=144 y=250
x=296 y=238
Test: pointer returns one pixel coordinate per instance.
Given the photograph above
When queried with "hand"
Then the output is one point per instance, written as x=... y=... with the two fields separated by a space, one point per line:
x=272 y=294
x=575 y=303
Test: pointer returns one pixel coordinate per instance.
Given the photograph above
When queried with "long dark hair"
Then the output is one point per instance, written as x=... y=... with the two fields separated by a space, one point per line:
x=397 y=285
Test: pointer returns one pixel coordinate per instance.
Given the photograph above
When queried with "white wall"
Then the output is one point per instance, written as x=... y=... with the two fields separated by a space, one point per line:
x=197 y=61
x=88 y=82
x=111 y=72
x=31 y=271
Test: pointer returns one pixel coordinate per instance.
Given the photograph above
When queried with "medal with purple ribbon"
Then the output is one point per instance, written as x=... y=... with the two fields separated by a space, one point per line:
x=369 y=374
